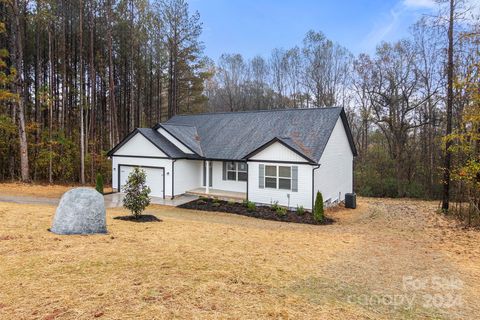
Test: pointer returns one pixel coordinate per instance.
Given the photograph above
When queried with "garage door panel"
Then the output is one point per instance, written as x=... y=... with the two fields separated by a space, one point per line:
x=154 y=178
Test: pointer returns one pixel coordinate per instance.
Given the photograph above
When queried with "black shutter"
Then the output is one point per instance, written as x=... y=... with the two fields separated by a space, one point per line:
x=204 y=174
x=294 y=178
x=261 y=176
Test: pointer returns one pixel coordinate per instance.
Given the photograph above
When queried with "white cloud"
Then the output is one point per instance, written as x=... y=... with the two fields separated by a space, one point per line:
x=419 y=3
x=390 y=24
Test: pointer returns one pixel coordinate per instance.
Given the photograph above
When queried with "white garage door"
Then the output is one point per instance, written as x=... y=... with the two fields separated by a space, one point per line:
x=154 y=179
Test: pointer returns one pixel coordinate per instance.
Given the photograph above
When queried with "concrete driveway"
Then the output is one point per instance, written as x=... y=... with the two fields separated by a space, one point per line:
x=112 y=200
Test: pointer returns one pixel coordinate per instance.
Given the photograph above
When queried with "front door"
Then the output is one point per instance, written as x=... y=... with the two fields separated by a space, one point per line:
x=209 y=173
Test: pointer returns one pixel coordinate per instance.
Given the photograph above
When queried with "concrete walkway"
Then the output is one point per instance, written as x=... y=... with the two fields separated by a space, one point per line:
x=115 y=200
x=112 y=200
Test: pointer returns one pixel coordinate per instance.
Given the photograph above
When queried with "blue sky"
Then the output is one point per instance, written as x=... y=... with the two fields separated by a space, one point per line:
x=252 y=27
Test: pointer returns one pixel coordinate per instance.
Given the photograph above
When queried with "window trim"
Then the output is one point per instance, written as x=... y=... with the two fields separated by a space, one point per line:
x=265 y=176
x=236 y=170
x=277 y=177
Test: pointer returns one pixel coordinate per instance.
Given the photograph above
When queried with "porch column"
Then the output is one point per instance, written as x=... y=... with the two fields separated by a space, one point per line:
x=207 y=177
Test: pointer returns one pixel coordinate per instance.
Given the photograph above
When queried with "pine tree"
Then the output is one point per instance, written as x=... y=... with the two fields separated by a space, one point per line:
x=318 y=209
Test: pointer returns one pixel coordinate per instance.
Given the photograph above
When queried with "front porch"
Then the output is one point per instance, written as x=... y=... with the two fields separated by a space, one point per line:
x=218 y=194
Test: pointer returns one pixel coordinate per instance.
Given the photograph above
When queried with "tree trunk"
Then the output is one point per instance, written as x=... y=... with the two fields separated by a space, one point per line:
x=18 y=58
x=82 y=133
x=447 y=160
x=50 y=109
x=112 y=117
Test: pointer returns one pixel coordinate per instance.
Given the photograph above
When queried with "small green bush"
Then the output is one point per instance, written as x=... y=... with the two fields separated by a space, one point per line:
x=318 y=209
x=203 y=198
x=136 y=198
x=201 y=202
x=275 y=206
x=300 y=210
x=216 y=204
x=216 y=200
x=281 y=211
x=99 y=184
x=231 y=202
x=251 y=206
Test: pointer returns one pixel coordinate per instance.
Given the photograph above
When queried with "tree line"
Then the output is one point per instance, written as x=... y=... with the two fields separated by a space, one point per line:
x=402 y=100
x=77 y=76
x=86 y=73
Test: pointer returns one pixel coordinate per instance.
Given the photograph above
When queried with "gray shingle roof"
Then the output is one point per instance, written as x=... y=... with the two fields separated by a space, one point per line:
x=161 y=142
x=232 y=136
x=186 y=134
x=158 y=140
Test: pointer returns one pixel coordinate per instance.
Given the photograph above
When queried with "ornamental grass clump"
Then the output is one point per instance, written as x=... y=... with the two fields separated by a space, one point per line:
x=250 y=206
x=281 y=211
x=300 y=210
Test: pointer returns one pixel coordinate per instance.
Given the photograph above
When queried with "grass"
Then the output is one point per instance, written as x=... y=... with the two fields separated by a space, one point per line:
x=38 y=190
x=214 y=265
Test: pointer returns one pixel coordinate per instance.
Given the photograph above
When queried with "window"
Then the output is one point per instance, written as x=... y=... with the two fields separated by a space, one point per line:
x=271 y=177
x=235 y=171
x=285 y=178
x=242 y=171
x=280 y=176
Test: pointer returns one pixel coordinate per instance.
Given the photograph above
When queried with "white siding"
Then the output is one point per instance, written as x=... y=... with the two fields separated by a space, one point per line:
x=303 y=197
x=228 y=185
x=165 y=163
x=278 y=152
x=334 y=178
x=138 y=145
x=175 y=141
x=188 y=175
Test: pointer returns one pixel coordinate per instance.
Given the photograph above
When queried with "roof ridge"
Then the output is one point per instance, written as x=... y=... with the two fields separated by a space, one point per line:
x=254 y=111
x=178 y=124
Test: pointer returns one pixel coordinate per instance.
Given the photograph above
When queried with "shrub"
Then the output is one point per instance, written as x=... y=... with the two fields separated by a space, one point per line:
x=251 y=206
x=318 y=209
x=281 y=211
x=216 y=204
x=215 y=200
x=99 y=184
x=275 y=206
x=136 y=198
x=300 y=210
x=201 y=202
x=203 y=198
x=231 y=202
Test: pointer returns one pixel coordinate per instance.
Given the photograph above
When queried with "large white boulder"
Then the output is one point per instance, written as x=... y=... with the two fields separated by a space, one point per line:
x=80 y=211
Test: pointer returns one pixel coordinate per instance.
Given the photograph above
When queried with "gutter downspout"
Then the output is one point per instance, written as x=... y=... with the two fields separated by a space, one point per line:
x=207 y=176
x=173 y=179
x=313 y=183
x=247 y=180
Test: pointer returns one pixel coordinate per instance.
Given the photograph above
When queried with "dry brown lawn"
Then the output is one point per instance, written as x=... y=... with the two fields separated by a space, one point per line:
x=37 y=190
x=211 y=265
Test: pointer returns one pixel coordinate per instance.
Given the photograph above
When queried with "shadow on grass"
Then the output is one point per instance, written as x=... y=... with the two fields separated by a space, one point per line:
x=141 y=218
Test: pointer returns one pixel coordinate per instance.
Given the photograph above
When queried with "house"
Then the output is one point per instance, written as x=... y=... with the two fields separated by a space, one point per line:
x=262 y=156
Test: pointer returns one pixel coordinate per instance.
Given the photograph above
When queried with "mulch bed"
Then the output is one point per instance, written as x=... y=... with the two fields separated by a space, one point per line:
x=141 y=218
x=261 y=212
